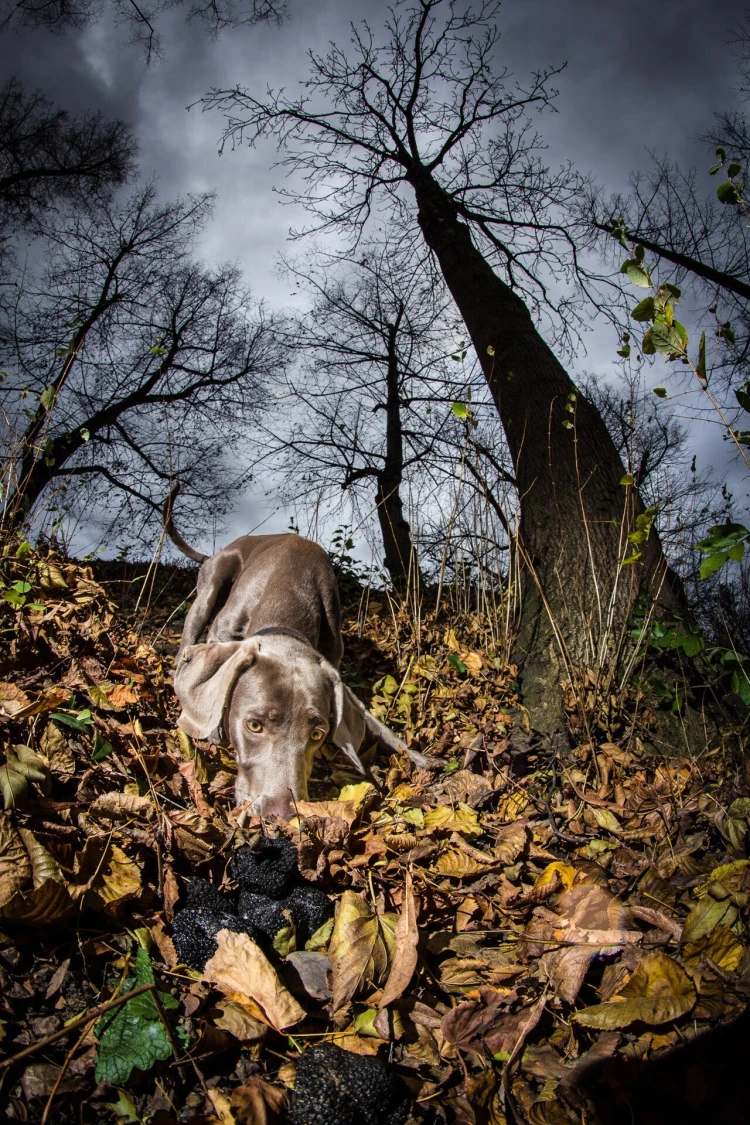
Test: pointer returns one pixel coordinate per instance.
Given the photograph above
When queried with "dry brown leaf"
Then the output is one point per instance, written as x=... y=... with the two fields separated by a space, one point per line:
x=405 y=954
x=658 y=991
x=331 y=810
x=360 y=947
x=13 y=699
x=257 y=1103
x=456 y=864
x=15 y=865
x=123 y=806
x=44 y=905
x=222 y=1109
x=238 y=1022
x=510 y=843
x=56 y=748
x=122 y=696
x=240 y=967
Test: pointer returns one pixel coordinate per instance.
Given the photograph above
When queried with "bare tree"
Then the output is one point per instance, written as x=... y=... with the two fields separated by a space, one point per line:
x=142 y=18
x=132 y=365
x=372 y=388
x=48 y=158
x=426 y=123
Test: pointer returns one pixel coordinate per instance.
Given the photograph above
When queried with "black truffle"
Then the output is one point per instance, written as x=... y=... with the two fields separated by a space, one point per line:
x=310 y=908
x=269 y=870
x=262 y=915
x=200 y=893
x=339 y=1088
x=194 y=933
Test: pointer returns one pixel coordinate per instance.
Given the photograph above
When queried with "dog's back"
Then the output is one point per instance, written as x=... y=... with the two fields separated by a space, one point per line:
x=261 y=581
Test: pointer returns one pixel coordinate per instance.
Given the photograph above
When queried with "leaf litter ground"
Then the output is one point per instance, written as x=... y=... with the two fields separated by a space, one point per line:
x=534 y=932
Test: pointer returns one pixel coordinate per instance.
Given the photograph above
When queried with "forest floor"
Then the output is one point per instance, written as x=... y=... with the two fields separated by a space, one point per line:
x=539 y=933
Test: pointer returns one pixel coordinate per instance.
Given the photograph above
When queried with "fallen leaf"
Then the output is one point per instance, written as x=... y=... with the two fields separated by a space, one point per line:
x=15 y=866
x=461 y=819
x=257 y=1102
x=456 y=864
x=239 y=966
x=360 y=948
x=313 y=970
x=405 y=955
x=239 y=1023
x=658 y=991
x=221 y=1107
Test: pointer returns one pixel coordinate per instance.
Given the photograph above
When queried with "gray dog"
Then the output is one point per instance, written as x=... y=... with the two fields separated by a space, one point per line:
x=257 y=666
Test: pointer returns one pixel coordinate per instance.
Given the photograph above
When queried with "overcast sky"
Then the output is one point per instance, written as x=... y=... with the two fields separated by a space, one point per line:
x=639 y=76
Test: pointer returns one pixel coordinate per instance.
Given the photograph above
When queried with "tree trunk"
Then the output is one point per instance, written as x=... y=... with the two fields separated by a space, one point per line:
x=575 y=514
x=400 y=557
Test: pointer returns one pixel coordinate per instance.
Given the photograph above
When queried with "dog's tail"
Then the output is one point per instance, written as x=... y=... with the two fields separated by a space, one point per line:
x=172 y=531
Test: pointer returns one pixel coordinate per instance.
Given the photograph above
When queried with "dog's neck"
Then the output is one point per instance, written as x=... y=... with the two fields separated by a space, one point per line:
x=285 y=631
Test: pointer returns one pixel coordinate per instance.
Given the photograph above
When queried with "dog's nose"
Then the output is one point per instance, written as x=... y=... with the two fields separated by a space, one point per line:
x=279 y=805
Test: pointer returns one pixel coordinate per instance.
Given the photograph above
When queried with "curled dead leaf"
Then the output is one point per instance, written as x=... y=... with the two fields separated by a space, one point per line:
x=405 y=954
x=239 y=968
x=15 y=865
x=658 y=992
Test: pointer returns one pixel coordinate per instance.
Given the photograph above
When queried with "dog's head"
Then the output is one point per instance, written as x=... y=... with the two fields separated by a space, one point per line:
x=276 y=700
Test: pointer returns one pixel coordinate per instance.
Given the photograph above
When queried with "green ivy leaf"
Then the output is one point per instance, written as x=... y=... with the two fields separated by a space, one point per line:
x=133 y=1035
x=459 y=409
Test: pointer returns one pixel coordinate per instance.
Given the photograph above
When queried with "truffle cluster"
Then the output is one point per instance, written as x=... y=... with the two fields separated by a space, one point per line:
x=340 y=1088
x=272 y=895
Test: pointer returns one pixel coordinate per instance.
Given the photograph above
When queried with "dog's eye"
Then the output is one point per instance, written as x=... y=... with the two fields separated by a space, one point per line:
x=317 y=734
x=254 y=726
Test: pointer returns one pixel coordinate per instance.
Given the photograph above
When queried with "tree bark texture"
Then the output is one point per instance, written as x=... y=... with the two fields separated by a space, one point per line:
x=574 y=512
x=400 y=558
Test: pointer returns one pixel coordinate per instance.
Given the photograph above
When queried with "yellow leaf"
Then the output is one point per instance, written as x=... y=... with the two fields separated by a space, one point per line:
x=512 y=806
x=352 y=945
x=240 y=968
x=360 y=793
x=730 y=874
x=473 y=662
x=451 y=640
x=724 y=948
x=707 y=914
x=461 y=818
x=117 y=878
x=658 y=991
x=564 y=870
x=607 y=820
x=222 y=1108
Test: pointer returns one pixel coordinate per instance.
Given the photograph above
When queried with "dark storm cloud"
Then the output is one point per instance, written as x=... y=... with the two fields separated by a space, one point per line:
x=639 y=76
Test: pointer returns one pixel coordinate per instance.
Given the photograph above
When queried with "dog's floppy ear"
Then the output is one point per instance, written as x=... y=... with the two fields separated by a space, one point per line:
x=203 y=681
x=348 y=722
